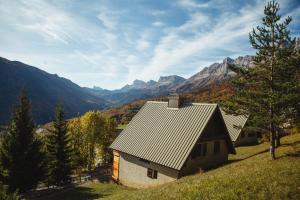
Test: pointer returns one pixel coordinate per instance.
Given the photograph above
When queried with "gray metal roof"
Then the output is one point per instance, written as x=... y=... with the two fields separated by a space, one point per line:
x=235 y=124
x=164 y=135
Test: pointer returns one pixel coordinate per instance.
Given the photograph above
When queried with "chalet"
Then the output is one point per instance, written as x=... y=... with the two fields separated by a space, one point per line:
x=235 y=125
x=165 y=141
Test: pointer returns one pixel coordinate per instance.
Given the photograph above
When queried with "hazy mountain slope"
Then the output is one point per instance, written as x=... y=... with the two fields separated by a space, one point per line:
x=214 y=74
x=138 y=90
x=44 y=90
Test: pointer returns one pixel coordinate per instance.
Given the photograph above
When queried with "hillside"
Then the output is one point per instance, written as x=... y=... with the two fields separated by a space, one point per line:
x=44 y=90
x=249 y=175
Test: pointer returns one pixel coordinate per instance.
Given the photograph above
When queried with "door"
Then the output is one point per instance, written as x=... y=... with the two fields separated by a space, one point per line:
x=115 y=167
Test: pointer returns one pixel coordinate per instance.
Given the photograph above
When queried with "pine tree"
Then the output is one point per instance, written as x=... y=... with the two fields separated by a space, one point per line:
x=59 y=150
x=20 y=155
x=6 y=195
x=265 y=92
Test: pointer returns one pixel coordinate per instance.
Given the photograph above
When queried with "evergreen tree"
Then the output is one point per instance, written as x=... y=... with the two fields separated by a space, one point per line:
x=266 y=92
x=59 y=150
x=6 y=195
x=20 y=155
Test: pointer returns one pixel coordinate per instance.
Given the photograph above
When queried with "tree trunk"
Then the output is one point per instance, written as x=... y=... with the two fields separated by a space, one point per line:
x=91 y=157
x=272 y=142
x=277 y=140
x=273 y=131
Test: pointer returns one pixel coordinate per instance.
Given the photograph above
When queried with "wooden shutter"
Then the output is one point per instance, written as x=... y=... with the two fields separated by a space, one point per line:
x=115 y=168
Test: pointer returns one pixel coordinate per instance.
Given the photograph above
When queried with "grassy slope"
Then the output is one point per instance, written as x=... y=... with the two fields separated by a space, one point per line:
x=250 y=175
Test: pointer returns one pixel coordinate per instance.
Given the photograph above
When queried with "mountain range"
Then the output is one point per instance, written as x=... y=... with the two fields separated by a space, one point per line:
x=46 y=90
x=217 y=72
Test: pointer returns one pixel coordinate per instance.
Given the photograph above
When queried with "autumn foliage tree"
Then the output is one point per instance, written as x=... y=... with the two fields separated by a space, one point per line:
x=91 y=135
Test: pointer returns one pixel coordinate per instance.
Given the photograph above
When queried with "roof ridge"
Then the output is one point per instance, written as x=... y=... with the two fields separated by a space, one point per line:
x=156 y=101
x=196 y=104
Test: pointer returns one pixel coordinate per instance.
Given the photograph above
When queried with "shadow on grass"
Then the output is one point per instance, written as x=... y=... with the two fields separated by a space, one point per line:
x=250 y=144
x=258 y=153
x=290 y=144
x=75 y=193
x=294 y=154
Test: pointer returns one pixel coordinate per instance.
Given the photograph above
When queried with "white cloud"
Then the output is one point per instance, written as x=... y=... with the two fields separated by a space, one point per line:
x=49 y=21
x=191 y=4
x=143 y=44
x=158 y=24
x=107 y=20
x=175 y=49
x=197 y=20
x=157 y=12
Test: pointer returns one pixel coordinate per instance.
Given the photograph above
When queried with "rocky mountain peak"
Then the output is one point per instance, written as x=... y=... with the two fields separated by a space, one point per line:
x=171 y=79
x=137 y=82
x=228 y=60
x=214 y=72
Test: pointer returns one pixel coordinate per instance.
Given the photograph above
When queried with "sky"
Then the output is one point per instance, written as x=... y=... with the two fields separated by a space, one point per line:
x=110 y=43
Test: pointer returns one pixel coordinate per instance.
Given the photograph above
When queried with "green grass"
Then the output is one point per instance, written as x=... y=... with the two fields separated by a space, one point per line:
x=249 y=175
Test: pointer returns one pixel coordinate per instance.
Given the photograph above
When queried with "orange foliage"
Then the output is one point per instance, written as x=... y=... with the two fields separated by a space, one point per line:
x=215 y=93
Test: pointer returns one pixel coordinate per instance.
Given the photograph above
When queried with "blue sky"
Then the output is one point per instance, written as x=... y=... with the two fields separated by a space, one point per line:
x=111 y=43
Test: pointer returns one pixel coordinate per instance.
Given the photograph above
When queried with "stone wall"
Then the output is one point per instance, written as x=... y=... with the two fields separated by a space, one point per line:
x=133 y=172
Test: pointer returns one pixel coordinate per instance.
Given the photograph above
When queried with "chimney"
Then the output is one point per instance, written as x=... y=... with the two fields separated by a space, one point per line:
x=174 y=101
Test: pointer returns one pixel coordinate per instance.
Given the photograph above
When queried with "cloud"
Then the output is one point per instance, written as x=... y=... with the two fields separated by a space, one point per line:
x=191 y=4
x=197 y=20
x=158 y=24
x=143 y=44
x=108 y=20
x=157 y=12
x=176 y=49
x=53 y=24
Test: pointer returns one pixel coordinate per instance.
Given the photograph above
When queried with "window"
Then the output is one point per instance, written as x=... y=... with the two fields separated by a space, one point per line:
x=243 y=135
x=197 y=151
x=152 y=173
x=216 y=147
x=204 y=149
x=149 y=172
x=251 y=135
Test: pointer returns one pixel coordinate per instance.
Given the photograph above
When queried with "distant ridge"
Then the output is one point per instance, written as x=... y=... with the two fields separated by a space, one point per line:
x=215 y=73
